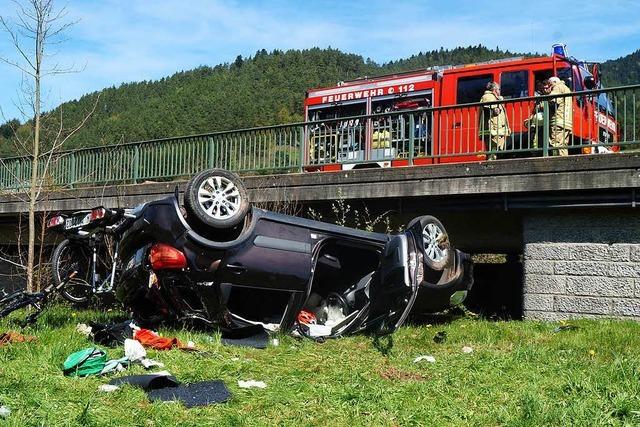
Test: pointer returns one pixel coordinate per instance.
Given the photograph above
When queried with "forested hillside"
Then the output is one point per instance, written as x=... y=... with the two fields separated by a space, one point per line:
x=622 y=71
x=267 y=88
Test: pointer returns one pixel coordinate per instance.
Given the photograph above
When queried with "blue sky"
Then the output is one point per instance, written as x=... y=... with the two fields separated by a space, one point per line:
x=119 y=41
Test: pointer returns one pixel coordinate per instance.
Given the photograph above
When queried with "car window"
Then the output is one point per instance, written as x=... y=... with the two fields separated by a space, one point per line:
x=470 y=89
x=514 y=84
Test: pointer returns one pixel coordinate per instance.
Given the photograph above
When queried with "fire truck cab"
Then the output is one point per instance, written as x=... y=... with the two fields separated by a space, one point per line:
x=443 y=128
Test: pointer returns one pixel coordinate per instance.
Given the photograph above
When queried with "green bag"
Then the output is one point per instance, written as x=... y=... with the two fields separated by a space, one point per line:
x=89 y=361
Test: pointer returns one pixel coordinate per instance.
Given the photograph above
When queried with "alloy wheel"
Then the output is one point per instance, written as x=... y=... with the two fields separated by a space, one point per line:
x=219 y=197
x=432 y=237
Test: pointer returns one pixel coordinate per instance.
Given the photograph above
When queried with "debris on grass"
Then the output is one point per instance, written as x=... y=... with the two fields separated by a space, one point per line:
x=428 y=358
x=275 y=342
x=14 y=337
x=562 y=328
x=108 y=388
x=395 y=374
x=4 y=411
x=84 y=329
x=251 y=384
x=440 y=337
x=466 y=349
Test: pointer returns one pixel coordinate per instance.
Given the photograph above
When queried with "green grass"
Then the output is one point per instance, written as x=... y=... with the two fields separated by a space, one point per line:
x=520 y=373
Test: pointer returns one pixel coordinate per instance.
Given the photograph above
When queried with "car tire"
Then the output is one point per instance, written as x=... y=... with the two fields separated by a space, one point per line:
x=436 y=247
x=216 y=198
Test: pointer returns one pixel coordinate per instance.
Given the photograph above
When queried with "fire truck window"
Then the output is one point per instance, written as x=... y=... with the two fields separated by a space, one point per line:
x=337 y=111
x=565 y=74
x=470 y=89
x=514 y=84
x=391 y=133
x=339 y=140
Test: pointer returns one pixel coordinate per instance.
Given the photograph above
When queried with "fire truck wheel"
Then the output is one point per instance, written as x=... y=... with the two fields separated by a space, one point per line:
x=216 y=198
x=435 y=242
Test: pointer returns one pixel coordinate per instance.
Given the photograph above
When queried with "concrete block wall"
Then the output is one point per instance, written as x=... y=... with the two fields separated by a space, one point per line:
x=582 y=265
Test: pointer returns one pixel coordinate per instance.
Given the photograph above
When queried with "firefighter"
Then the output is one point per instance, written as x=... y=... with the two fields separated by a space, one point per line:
x=561 y=116
x=494 y=127
x=535 y=122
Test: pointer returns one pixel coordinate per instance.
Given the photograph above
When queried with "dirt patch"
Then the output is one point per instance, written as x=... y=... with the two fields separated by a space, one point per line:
x=395 y=374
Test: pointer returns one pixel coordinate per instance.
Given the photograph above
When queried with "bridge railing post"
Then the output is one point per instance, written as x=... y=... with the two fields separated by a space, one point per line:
x=545 y=127
x=412 y=131
x=136 y=163
x=302 y=131
x=73 y=169
x=210 y=149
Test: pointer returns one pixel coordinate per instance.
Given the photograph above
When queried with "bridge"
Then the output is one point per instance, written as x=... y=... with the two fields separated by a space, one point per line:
x=568 y=225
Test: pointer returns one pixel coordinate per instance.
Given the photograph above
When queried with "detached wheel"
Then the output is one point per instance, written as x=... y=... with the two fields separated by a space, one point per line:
x=435 y=242
x=216 y=198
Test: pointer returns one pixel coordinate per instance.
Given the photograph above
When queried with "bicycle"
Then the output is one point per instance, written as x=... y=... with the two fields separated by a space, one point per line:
x=36 y=300
x=89 y=253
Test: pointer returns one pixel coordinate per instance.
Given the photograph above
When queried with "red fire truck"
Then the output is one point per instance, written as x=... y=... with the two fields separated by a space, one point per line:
x=443 y=129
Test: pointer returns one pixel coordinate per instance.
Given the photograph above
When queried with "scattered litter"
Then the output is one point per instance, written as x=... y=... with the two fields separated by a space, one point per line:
x=251 y=336
x=116 y=365
x=275 y=342
x=251 y=384
x=197 y=394
x=562 y=328
x=191 y=344
x=84 y=329
x=147 y=382
x=467 y=349
x=108 y=388
x=235 y=359
x=88 y=361
x=333 y=313
x=316 y=331
x=92 y=361
x=150 y=363
x=133 y=350
x=4 y=411
x=440 y=337
x=429 y=359
x=14 y=337
x=151 y=339
x=112 y=334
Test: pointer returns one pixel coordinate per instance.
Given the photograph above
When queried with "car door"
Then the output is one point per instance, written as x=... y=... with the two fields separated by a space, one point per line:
x=394 y=288
x=276 y=256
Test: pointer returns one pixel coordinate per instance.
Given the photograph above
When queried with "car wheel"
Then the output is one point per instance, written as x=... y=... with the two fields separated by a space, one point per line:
x=435 y=242
x=216 y=198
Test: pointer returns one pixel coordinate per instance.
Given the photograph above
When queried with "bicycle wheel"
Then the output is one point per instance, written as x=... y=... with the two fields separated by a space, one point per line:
x=72 y=265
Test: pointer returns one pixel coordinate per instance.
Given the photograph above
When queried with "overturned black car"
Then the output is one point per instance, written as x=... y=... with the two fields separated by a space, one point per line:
x=218 y=261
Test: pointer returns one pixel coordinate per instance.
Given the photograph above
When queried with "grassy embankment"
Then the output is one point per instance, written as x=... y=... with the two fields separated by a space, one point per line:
x=520 y=373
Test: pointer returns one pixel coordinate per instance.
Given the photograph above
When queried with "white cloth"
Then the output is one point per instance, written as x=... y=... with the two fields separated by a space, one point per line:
x=251 y=384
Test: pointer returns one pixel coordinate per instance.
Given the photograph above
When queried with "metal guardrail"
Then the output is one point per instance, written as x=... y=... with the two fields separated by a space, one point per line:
x=419 y=136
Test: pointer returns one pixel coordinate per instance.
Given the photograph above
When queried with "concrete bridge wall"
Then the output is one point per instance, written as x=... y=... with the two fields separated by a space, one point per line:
x=582 y=264
x=573 y=220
